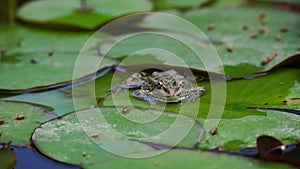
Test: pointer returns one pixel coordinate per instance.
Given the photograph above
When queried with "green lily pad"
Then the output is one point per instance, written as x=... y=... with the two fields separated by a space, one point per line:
x=18 y=129
x=236 y=134
x=71 y=13
x=280 y=92
x=60 y=100
x=38 y=65
x=239 y=54
x=7 y=158
x=116 y=126
x=176 y=4
x=243 y=96
x=78 y=147
x=108 y=127
x=248 y=53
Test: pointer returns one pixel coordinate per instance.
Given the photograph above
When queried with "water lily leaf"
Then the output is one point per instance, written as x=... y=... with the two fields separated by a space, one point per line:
x=236 y=134
x=19 y=121
x=38 y=65
x=240 y=115
x=245 y=44
x=72 y=13
x=242 y=96
x=7 y=158
x=275 y=36
x=108 y=127
x=60 y=100
x=176 y=4
x=79 y=147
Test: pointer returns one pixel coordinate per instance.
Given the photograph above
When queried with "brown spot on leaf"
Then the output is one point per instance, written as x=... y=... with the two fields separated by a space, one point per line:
x=221 y=149
x=229 y=49
x=263 y=21
x=266 y=104
x=33 y=61
x=125 y=109
x=261 y=15
x=3 y=51
x=295 y=98
x=245 y=27
x=269 y=58
x=263 y=30
x=284 y=102
x=84 y=154
x=50 y=52
x=20 y=117
x=0 y=133
x=253 y=35
x=279 y=96
x=278 y=38
x=211 y=27
x=283 y=29
x=2 y=121
x=94 y=135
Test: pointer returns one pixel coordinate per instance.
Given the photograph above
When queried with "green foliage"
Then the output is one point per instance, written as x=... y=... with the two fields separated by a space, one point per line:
x=18 y=130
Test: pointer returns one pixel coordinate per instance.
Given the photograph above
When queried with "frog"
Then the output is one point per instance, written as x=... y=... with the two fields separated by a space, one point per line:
x=162 y=87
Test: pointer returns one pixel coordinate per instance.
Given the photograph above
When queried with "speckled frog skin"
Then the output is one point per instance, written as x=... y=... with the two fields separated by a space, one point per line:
x=162 y=87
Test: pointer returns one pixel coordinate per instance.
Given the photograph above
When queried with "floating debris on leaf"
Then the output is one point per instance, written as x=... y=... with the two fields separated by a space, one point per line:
x=211 y=27
x=269 y=58
x=263 y=30
x=33 y=61
x=229 y=49
x=125 y=109
x=245 y=27
x=253 y=35
x=50 y=52
x=94 y=135
x=3 y=51
x=213 y=131
x=283 y=29
x=278 y=38
x=20 y=117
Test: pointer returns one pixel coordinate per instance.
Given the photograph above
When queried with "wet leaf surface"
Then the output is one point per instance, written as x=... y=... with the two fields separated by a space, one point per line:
x=14 y=127
x=60 y=100
x=242 y=95
x=108 y=123
x=71 y=13
x=245 y=55
x=79 y=147
x=248 y=39
x=240 y=123
x=33 y=56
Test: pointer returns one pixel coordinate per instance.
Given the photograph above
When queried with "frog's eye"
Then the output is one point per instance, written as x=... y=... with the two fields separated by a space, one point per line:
x=174 y=83
x=159 y=84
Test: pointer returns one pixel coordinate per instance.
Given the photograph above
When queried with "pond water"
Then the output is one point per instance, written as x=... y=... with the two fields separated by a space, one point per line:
x=29 y=159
